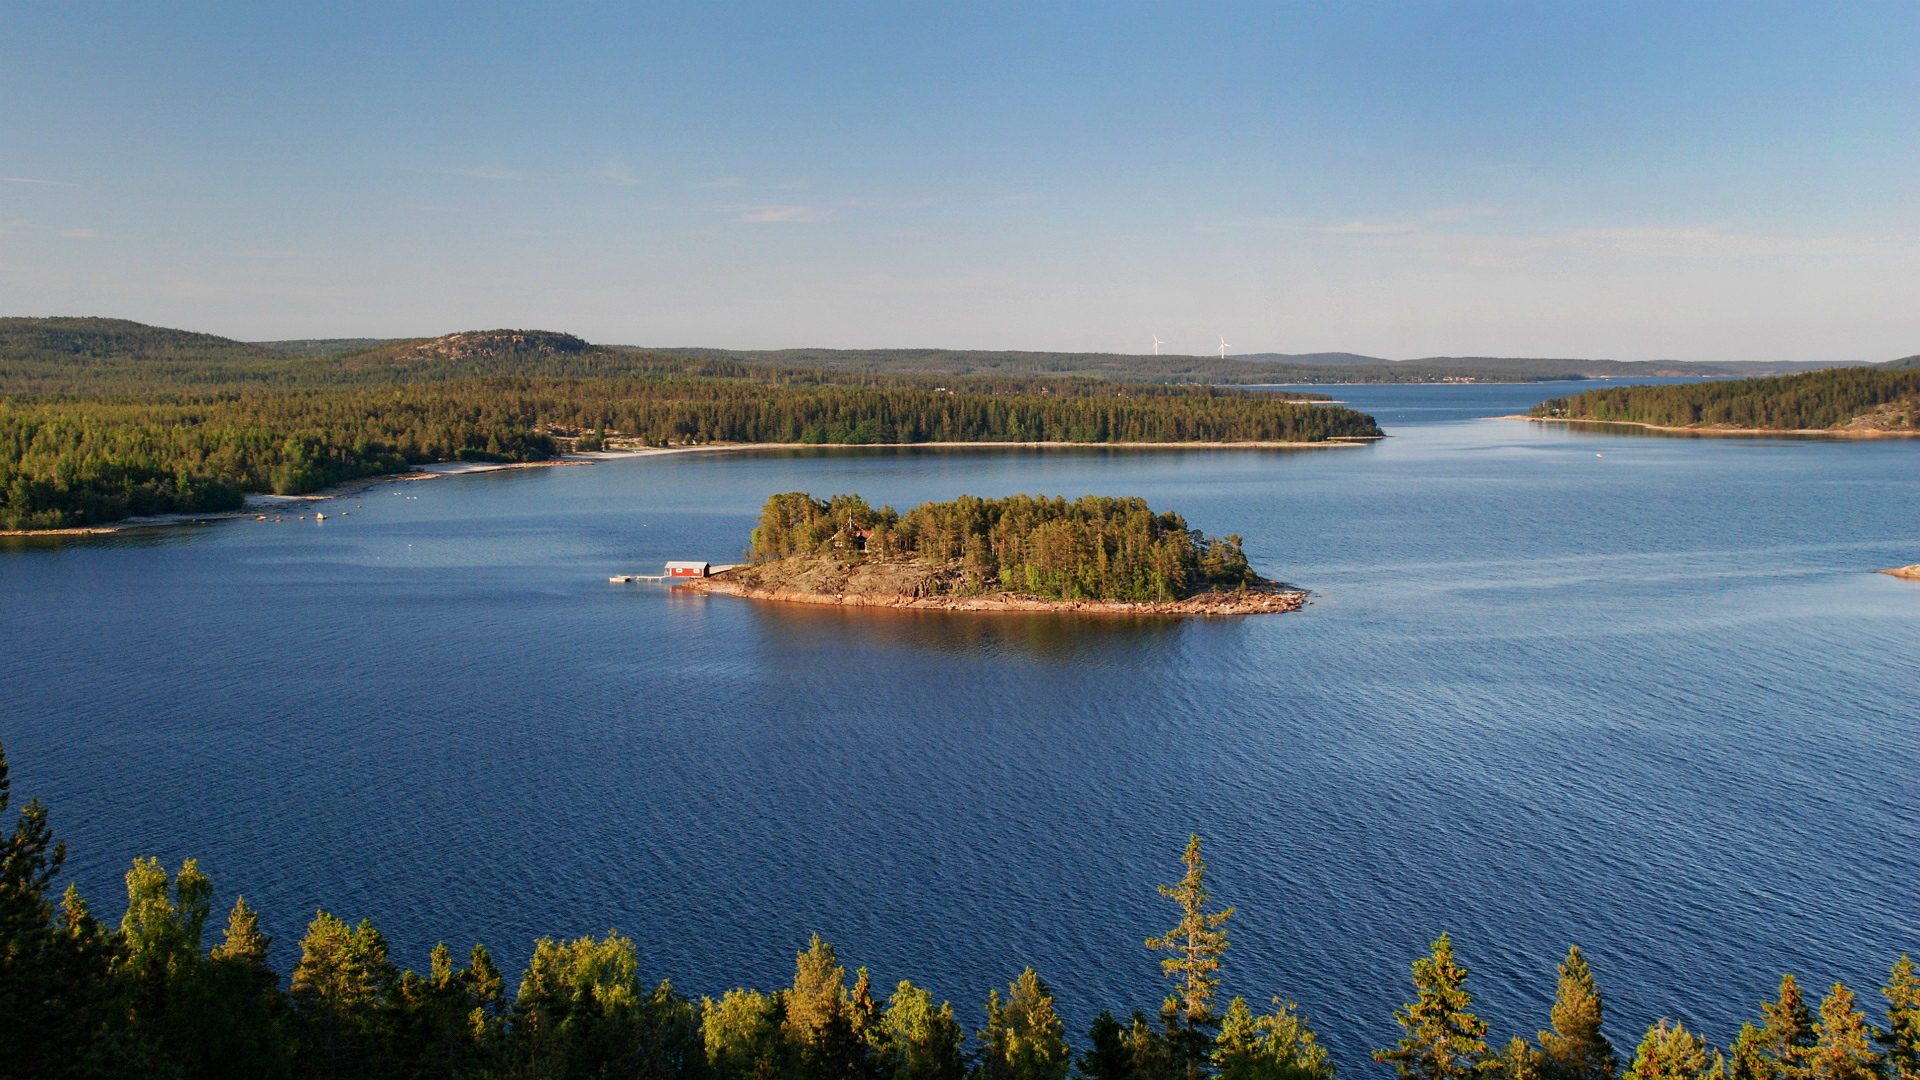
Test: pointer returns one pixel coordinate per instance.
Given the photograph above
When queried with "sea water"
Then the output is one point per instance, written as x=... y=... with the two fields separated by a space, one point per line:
x=1645 y=694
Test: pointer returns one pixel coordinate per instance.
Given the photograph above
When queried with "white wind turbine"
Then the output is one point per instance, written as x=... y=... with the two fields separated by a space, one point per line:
x=1156 y=344
x=1223 y=348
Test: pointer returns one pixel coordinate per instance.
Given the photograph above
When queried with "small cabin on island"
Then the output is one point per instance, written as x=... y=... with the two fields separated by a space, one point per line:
x=687 y=569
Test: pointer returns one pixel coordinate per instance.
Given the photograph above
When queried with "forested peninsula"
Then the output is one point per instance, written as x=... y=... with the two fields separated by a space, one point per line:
x=1022 y=553
x=101 y=419
x=1857 y=401
x=83 y=997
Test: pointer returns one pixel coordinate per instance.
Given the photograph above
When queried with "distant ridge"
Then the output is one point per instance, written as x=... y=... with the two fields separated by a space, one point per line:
x=1248 y=368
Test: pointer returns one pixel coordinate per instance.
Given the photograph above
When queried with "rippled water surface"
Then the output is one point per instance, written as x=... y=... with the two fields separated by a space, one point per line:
x=1640 y=693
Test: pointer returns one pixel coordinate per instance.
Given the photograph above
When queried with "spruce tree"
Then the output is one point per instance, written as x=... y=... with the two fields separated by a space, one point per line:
x=1901 y=1036
x=1444 y=1039
x=1024 y=1038
x=1195 y=945
x=1843 y=1046
x=1576 y=1049
x=1674 y=1053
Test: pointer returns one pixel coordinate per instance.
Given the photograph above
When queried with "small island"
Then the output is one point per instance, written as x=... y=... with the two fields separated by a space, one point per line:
x=1024 y=553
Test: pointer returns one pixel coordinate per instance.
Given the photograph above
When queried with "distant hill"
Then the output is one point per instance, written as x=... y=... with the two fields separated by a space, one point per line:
x=1903 y=362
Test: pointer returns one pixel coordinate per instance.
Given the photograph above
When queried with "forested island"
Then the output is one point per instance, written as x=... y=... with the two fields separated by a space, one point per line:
x=101 y=419
x=83 y=997
x=1021 y=553
x=1861 y=401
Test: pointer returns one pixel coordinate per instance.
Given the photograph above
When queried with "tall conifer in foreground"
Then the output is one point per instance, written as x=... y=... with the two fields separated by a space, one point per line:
x=1444 y=1039
x=1576 y=1049
x=1195 y=945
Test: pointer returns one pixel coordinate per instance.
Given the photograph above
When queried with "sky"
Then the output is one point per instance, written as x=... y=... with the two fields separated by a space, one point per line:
x=1608 y=179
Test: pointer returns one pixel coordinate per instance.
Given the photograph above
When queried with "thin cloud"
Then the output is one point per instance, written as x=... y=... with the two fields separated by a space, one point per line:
x=31 y=180
x=486 y=172
x=723 y=182
x=83 y=234
x=772 y=214
x=252 y=254
x=618 y=172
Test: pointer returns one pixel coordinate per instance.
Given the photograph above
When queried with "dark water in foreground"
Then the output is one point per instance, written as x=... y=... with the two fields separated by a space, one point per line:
x=1639 y=693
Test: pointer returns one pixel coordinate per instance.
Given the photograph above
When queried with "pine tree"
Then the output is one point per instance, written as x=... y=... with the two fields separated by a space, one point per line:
x=1843 y=1047
x=1024 y=1038
x=1576 y=1049
x=820 y=1023
x=1444 y=1039
x=1901 y=1037
x=1674 y=1053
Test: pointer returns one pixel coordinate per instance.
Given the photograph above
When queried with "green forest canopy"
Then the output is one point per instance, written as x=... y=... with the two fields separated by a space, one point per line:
x=1875 y=398
x=101 y=419
x=1093 y=548
x=151 y=996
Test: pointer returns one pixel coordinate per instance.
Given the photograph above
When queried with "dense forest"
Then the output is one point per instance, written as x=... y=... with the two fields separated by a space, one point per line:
x=101 y=419
x=1094 y=548
x=1857 y=398
x=155 y=996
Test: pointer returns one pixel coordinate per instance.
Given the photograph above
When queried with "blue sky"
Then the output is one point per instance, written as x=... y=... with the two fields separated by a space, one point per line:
x=1696 y=181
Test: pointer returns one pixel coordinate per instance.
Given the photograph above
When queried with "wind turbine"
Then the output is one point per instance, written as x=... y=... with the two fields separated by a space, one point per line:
x=1156 y=344
x=1223 y=348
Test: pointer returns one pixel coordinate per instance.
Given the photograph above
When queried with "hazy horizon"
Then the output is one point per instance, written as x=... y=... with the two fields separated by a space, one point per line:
x=1639 y=182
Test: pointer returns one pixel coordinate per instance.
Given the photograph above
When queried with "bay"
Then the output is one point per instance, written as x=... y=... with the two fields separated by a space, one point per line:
x=1640 y=693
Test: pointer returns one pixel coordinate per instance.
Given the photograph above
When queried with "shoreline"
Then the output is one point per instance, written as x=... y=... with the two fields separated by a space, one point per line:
x=1839 y=433
x=1268 y=598
x=259 y=502
x=1911 y=573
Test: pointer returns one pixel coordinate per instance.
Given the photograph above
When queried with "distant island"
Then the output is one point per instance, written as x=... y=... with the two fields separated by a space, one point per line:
x=1024 y=553
x=1852 y=401
x=102 y=419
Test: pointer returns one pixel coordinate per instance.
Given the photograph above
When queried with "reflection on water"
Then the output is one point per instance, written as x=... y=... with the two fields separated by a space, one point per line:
x=1011 y=635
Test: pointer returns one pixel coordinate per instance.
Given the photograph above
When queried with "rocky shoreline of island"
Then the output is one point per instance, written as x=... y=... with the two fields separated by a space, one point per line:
x=1264 y=597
